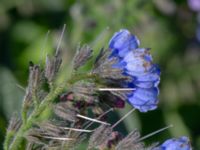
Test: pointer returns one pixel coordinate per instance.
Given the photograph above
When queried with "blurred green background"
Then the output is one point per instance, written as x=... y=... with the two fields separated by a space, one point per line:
x=168 y=27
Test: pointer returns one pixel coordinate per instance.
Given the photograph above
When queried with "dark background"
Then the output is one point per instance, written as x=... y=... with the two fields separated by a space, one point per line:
x=169 y=27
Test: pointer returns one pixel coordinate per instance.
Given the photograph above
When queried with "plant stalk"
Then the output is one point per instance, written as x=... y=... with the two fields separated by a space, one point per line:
x=54 y=92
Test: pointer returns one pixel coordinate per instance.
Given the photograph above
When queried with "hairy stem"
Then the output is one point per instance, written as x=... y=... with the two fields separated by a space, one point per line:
x=8 y=138
x=45 y=103
x=54 y=92
x=78 y=77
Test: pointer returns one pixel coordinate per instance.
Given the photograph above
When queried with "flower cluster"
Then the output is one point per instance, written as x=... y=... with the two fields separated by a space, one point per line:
x=136 y=63
x=57 y=116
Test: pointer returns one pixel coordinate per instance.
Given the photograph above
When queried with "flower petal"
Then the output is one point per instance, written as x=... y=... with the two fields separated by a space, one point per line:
x=144 y=99
x=181 y=143
x=123 y=42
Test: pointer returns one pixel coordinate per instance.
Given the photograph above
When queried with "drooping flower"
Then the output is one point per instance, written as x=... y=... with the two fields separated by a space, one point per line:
x=137 y=63
x=181 y=143
x=122 y=41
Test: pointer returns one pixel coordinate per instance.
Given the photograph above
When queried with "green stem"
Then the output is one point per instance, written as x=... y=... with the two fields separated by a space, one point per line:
x=19 y=136
x=78 y=77
x=8 y=138
x=24 y=116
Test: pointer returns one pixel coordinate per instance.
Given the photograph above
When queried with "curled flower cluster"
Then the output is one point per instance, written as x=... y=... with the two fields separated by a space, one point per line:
x=136 y=63
x=123 y=72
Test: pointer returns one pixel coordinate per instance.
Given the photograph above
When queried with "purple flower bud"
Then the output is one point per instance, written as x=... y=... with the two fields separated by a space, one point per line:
x=123 y=42
x=181 y=143
x=136 y=63
x=119 y=103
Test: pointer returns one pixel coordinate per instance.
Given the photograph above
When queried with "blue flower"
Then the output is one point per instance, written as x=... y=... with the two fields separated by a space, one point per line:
x=144 y=99
x=137 y=63
x=122 y=42
x=181 y=143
